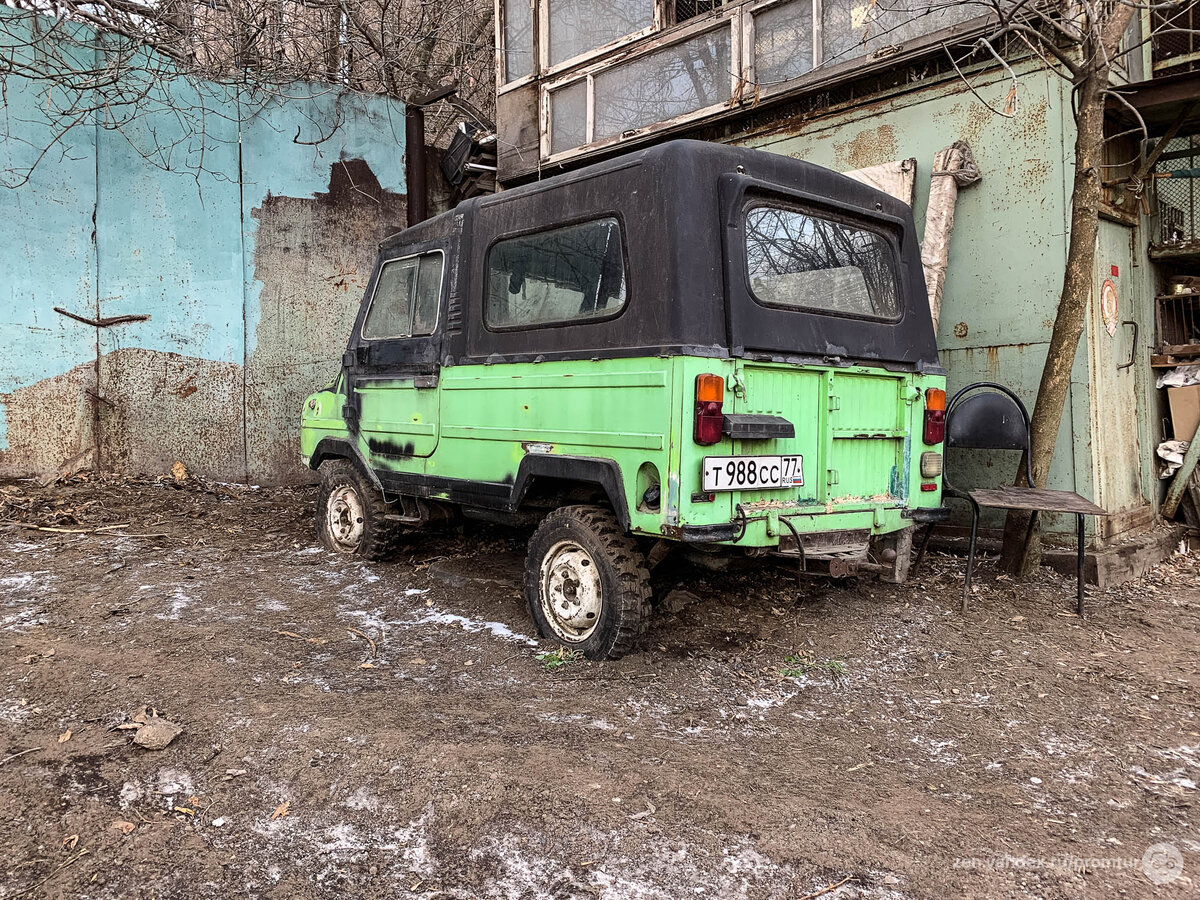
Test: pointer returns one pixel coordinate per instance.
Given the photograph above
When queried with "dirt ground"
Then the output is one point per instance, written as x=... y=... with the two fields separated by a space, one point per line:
x=392 y=730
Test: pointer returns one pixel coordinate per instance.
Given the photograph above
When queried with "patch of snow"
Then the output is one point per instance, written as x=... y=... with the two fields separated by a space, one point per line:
x=1176 y=777
x=770 y=702
x=498 y=629
x=413 y=844
x=19 y=582
x=937 y=750
x=176 y=604
x=130 y=793
x=362 y=799
x=13 y=711
x=29 y=614
x=343 y=837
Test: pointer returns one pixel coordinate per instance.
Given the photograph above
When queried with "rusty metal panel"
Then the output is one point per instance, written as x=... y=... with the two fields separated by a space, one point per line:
x=1008 y=248
x=1119 y=369
x=47 y=259
x=167 y=406
x=311 y=238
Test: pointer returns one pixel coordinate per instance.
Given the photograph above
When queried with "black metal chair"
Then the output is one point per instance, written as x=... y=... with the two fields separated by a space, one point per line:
x=988 y=416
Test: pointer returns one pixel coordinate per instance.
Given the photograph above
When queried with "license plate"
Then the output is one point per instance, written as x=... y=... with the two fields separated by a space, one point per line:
x=752 y=473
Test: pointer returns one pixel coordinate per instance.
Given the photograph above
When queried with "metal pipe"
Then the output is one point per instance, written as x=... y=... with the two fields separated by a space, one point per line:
x=1079 y=566
x=799 y=547
x=414 y=164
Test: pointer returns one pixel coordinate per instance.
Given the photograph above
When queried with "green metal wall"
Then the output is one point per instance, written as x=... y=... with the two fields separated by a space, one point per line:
x=1006 y=260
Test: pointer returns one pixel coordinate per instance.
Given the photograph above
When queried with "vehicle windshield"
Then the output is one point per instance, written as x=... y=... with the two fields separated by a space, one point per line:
x=798 y=260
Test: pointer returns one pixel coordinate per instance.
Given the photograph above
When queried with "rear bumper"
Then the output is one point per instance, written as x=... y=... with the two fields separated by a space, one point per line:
x=724 y=532
x=763 y=528
x=928 y=516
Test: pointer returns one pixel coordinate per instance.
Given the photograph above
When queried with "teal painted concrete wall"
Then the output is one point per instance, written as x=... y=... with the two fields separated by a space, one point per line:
x=1006 y=263
x=244 y=236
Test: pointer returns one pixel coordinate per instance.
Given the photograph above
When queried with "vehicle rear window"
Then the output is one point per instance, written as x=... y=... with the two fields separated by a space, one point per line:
x=797 y=260
x=406 y=296
x=563 y=275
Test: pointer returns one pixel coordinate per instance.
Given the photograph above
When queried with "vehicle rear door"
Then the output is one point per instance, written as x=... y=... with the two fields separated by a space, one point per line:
x=817 y=290
x=850 y=429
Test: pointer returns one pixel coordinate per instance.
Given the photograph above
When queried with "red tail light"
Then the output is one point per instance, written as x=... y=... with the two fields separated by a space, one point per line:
x=710 y=395
x=935 y=416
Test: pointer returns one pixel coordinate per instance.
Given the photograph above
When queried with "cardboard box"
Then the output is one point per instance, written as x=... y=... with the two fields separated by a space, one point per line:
x=1185 y=410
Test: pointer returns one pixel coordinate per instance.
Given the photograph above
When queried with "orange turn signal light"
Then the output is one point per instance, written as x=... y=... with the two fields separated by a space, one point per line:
x=710 y=389
x=935 y=398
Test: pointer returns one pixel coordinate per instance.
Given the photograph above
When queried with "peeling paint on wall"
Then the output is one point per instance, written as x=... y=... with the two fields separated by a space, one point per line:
x=314 y=257
x=250 y=271
x=871 y=147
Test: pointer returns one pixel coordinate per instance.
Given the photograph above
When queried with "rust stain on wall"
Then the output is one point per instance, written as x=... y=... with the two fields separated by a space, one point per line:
x=313 y=256
x=49 y=421
x=868 y=148
x=155 y=420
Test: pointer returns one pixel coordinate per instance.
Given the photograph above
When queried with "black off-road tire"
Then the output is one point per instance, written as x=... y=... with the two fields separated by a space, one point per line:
x=377 y=537
x=621 y=569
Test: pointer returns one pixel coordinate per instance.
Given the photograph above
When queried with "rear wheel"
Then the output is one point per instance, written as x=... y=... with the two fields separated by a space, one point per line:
x=351 y=514
x=586 y=582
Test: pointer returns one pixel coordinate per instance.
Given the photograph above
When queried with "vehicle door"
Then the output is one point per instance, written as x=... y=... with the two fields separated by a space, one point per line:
x=823 y=283
x=394 y=359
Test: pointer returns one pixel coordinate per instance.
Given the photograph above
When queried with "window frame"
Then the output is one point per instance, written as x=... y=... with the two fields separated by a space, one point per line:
x=437 y=319
x=541 y=43
x=692 y=28
x=739 y=17
x=502 y=86
x=827 y=216
x=612 y=215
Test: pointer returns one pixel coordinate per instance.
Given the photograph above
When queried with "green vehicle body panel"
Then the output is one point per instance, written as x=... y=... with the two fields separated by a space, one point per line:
x=488 y=414
x=858 y=429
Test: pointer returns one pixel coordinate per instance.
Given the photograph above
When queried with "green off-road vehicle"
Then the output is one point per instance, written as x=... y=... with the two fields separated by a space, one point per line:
x=691 y=345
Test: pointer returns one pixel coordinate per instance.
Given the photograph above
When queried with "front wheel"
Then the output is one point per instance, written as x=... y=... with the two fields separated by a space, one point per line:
x=352 y=515
x=586 y=582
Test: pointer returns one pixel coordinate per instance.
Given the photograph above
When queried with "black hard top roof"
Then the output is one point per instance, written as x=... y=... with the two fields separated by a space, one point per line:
x=681 y=206
x=680 y=155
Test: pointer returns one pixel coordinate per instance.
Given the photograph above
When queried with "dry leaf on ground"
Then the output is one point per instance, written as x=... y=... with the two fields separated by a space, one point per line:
x=153 y=731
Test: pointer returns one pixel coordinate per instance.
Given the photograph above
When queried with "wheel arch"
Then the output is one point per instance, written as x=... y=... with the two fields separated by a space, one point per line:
x=340 y=448
x=603 y=473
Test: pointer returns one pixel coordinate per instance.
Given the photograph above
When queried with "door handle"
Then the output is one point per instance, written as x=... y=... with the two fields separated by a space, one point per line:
x=1132 y=345
x=425 y=382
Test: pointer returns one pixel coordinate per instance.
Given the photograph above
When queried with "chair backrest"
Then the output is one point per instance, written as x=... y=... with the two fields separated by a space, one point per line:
x=987 y=416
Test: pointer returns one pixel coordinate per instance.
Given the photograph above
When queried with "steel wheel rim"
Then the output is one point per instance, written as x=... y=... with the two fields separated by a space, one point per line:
x=571 y=592
x=344 y=518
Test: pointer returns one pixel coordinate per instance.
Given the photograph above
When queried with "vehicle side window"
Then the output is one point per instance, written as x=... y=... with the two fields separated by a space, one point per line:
x=799 y=261
x=563 y=275
x=405 y=303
